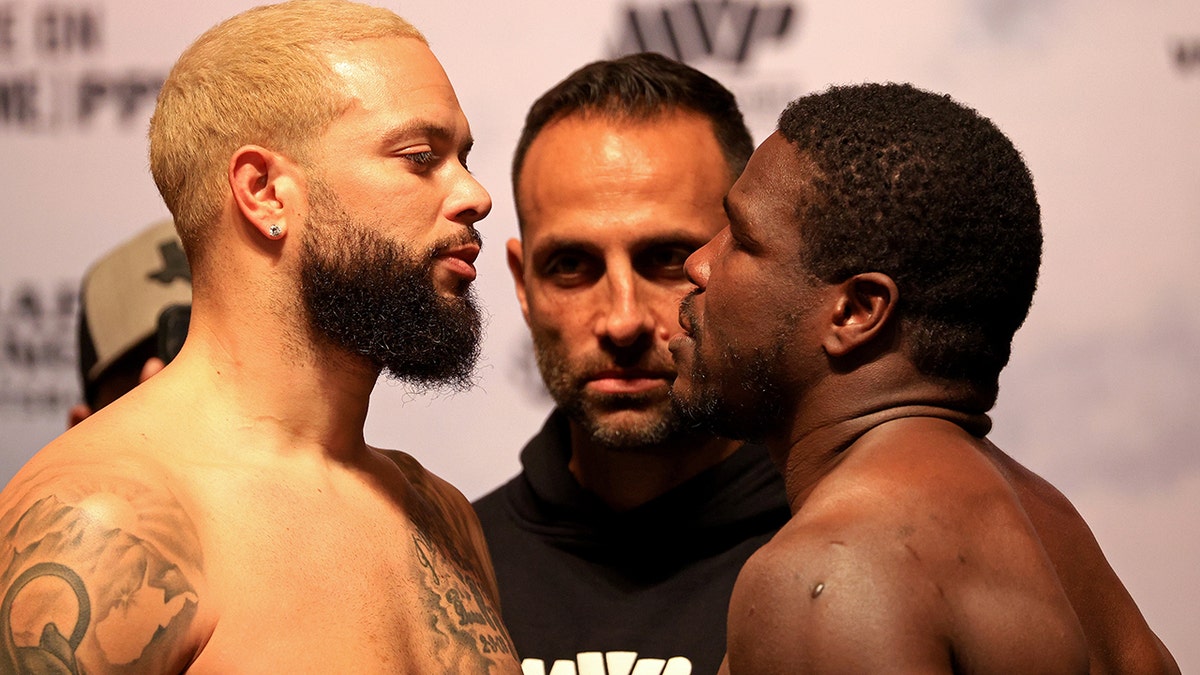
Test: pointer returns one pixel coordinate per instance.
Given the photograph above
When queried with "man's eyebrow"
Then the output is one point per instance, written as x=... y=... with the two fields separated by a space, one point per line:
x=425 y=129
x=560 y=242
x=568 y=242
x=674 y=238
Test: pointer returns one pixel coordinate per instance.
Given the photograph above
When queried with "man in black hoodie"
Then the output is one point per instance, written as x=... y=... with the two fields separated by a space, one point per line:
x=620 y=541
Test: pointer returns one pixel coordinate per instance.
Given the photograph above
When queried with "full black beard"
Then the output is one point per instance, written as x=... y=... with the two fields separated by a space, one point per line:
x=376 y=299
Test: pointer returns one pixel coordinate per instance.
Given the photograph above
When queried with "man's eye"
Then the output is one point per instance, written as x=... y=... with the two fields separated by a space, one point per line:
x=568 y=268
x=669 y=257
x=664 y=262
x=422 y=158
x=565 y=264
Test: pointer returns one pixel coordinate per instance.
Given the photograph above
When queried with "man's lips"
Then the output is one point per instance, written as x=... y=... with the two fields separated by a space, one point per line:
x=461 y=259
x=618 y=381
x=678 y=344
x=687 y=308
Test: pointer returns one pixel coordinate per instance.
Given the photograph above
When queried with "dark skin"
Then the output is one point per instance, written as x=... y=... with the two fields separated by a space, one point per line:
x=915 y=544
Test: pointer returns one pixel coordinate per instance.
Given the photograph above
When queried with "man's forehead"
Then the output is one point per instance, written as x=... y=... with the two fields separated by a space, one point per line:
x=398 y=85
x=675 y=139
x=388 y=67
x=651 y=174
x=777 y=176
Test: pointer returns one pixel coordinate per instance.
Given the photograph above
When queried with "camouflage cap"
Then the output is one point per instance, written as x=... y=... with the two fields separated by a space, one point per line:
x=124 y=292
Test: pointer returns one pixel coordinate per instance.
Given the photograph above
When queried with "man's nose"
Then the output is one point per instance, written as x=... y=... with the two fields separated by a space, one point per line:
x=469 y=201
x=698 y=264
x=627 y=317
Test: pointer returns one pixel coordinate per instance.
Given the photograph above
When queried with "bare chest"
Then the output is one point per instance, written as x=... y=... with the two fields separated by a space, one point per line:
x=322 y=585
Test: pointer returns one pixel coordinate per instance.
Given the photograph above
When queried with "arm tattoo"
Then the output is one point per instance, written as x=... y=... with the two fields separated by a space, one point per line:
x=96 y=577
x=53 y=653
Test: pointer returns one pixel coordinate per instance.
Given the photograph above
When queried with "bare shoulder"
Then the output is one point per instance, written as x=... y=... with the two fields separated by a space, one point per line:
x=912 y=555
x=1119 y=638
x=449 y=544
x=422 y=479
x=820 y=597
x=102 y=565
x=445 y=519
x=439 y=495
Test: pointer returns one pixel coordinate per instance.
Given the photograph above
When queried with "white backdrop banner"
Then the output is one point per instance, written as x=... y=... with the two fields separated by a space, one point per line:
x=1102 y=97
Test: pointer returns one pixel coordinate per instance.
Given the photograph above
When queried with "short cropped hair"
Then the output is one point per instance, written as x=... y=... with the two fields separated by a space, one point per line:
x=261 y=78
x=638 y=88
x=926 y=190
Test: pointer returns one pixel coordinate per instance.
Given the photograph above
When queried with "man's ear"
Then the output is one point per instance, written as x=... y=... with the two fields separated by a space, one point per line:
x=265 y=189
x=864 y=305
x=78 y=413
x=516 y=265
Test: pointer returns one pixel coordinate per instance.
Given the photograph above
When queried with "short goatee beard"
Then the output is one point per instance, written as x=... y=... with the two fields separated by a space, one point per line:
x=377 y=299
x=709 y=410
x=563 y=383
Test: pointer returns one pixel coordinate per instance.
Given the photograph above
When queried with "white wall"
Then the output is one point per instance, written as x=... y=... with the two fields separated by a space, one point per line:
x=1103 y=97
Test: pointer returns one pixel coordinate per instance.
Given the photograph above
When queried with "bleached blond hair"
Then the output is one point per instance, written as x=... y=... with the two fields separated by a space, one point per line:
x=261 y=77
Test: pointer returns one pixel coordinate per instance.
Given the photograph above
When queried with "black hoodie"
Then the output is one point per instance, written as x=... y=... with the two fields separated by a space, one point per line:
x=582 y=583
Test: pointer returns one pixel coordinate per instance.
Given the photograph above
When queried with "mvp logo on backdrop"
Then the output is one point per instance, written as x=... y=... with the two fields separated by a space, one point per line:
x=51 y=73
x=1185 y=53
x=727 y=39
x=724 y=30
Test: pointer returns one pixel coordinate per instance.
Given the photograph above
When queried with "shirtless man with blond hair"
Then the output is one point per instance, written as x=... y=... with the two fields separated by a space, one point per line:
x=227 y=516
x=883 y=248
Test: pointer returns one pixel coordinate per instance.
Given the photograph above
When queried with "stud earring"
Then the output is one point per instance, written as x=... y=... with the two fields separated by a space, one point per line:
x=275 y=231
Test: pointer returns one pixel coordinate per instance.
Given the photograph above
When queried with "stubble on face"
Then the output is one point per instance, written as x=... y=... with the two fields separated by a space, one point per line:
x=375 y=298
x=735 y=393
x=617 y=421
x=615 y=192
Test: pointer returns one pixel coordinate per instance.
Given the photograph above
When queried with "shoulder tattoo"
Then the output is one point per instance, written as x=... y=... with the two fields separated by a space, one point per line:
x=96 y=576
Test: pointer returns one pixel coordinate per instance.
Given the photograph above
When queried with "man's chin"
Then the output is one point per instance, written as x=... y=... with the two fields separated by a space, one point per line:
x=451 y=286
x=628 y=418
x=683 y=386
x=702 y=407
x=695 y=403
x=626 y=426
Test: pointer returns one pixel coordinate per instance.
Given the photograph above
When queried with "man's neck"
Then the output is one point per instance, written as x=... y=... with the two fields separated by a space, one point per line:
x=626 y=478
x=833 y=417
x=297 y=396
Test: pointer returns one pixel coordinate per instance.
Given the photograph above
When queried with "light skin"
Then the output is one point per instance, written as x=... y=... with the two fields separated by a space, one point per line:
x=255 y=524
x=114 y=388
x=610 y=210
x=914 y=545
